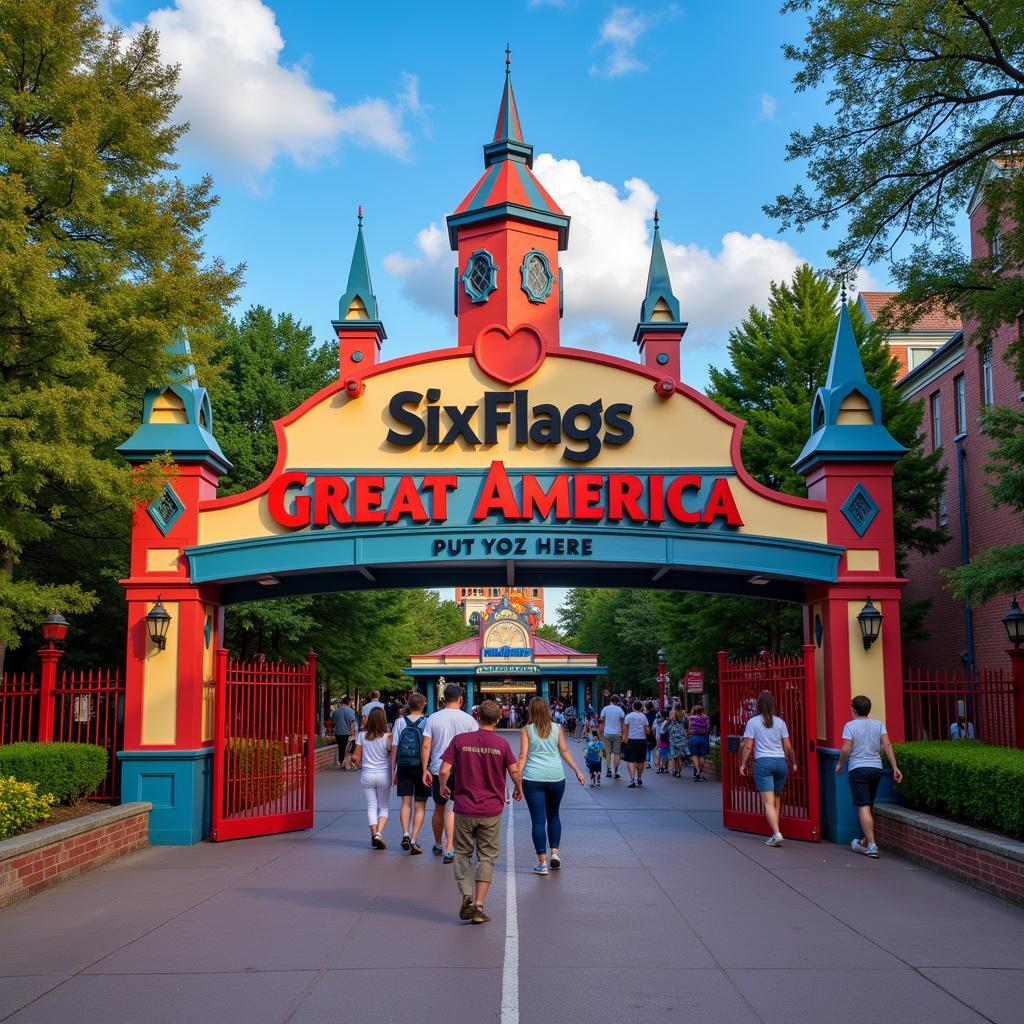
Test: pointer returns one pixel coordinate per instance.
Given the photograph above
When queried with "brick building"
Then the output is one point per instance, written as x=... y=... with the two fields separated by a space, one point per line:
x=955 y=383
x=476 y=599
x=913 y=345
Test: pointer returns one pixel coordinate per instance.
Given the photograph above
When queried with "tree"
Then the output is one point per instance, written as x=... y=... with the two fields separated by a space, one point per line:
x=101 y=262
x=924 y=97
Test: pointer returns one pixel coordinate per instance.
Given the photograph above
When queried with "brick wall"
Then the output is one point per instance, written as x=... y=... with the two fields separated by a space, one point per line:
x=325 y=757
x=37 y=860
x=981 y=859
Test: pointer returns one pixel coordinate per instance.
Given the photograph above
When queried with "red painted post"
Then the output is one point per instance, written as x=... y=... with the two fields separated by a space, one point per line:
x=49 y=656
x=310 y=730
x=1017 y=665
x=220 y=672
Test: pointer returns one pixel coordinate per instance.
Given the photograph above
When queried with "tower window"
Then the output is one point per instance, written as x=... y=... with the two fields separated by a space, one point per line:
x=987 y=386
x=481 y=276
x=536 y=275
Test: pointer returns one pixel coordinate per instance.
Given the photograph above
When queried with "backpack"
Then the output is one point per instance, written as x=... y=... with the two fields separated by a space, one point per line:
x=410 y=740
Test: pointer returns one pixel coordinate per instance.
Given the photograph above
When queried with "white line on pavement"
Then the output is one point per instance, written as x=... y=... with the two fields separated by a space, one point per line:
x=510 y=969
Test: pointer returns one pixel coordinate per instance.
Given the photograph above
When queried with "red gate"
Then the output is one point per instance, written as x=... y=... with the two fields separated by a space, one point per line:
x=264 y=730
x=791 y=682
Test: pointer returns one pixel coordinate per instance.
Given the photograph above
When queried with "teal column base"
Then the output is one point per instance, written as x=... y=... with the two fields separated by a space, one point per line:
x=179 y=785
x=580 y=697
x=839 y=820
x=545 y=689
x=469 y=693
x=431 y=692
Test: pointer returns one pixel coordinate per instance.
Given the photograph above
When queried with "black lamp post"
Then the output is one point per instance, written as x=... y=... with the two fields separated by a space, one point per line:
x=870 y=621
x=158 y=618
x=1013 y=621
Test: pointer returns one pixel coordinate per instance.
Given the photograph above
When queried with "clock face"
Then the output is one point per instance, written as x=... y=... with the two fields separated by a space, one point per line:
x=506 y=634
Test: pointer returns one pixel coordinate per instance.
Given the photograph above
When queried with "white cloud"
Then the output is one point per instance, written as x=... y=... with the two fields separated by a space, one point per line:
x=619 y=36
x=768 y=104
x=606 y=268
x=246 y=108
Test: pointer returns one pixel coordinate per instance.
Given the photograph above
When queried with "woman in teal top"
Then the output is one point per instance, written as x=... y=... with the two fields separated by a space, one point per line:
x=541 y=754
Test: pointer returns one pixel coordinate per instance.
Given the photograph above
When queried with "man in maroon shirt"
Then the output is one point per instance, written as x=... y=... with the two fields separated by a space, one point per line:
x=480 y=760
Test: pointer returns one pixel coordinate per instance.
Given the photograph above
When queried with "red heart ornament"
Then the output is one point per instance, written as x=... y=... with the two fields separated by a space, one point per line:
x=509 y=356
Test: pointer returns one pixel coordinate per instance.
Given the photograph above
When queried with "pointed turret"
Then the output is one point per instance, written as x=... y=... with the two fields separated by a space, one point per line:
x=846 y=415
x=177 y=417
x=508 y=232
x=660 y=329
x=358 y=327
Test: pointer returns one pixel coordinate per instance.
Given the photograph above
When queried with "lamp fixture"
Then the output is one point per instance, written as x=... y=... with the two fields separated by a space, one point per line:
x=1013 y=622
x=869 y=618
x=158 y=618
x=54 y=627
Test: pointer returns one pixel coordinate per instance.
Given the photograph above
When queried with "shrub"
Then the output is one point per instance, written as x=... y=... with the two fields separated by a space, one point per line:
x=253 y=772
x=69 y=771
x=966 y=781
x=21 y=806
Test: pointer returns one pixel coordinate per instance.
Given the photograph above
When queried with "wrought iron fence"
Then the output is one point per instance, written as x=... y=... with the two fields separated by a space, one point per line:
x=89 y=708
x=943 y=704
x=19 y=707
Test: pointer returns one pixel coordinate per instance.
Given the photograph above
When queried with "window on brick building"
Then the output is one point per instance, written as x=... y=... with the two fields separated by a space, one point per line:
x=960 y=404
x=936 y=405
x=996 y=248
x=943 y=514
x=987 y=387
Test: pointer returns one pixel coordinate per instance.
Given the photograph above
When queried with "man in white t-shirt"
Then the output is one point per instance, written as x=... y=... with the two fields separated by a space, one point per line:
x=610 y=730
x=441 y=728
x=635 y=729
x=373 y=702
x=864 y=739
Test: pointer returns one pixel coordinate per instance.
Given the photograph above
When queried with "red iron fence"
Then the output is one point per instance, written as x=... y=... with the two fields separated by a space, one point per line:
x=19 y=707
x=940 y=704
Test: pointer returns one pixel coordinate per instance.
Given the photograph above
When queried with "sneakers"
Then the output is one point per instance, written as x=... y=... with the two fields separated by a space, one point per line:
x=415 y=849
x=639 y=782
x=610 y=775
x=405 y=842
x=632 y=785
x=479 y=917
x=868 y=849
x=617 y=776
x=555 y=862
x=437 y=849
x=377 y=842
x=449 y=857
x=775 y=840
x=541 y=869
x=468 y=909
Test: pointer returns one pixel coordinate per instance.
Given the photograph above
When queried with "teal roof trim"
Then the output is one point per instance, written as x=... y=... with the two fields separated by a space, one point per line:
x=360 y=325
x=659 y=326
x=831 y=441
x=659 y=284
x=359 y=284
x=513 y=210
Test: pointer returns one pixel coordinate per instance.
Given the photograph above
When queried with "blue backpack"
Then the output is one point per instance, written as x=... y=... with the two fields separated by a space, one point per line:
x=410 y=740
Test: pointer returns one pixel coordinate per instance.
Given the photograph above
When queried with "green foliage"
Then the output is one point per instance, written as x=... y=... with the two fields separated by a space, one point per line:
x=68 y=771
x=101 y=262
x=253 y=772
x=21 y=806
x=965 y=781
x=549 y=631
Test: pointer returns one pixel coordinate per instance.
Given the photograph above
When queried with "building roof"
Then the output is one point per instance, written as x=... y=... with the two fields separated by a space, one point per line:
x=470 y=648
x=924 y=369
x=935 y=319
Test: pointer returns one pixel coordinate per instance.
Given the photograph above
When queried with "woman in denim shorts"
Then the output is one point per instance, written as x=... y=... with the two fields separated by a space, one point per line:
x=767 y=737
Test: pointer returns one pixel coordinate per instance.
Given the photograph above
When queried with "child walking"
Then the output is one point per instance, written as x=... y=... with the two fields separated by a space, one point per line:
x=592 y=754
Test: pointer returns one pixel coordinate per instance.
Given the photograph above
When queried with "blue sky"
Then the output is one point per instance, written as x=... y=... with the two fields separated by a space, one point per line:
x=304 y=110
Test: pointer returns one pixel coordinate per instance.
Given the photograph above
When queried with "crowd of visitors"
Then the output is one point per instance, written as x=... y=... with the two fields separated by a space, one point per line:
x=459 y=760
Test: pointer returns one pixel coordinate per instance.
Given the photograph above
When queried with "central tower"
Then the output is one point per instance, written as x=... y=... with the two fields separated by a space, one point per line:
x=508 y=233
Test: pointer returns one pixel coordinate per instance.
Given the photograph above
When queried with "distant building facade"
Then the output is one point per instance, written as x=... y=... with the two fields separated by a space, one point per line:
x=474 y=600
x=955 y=384
x=921 y=340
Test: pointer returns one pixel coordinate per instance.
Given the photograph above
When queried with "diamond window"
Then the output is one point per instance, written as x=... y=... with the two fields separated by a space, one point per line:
x=536 y=275
x=860 y=509
x=480 y=278
x=166 y=510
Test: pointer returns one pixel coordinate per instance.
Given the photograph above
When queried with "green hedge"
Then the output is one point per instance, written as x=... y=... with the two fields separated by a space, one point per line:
x=69 y=771
x=253 y=772
x=967 y=781
x=21 y=806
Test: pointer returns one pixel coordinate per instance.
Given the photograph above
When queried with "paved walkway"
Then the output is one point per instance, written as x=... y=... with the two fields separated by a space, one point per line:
x=658 y=914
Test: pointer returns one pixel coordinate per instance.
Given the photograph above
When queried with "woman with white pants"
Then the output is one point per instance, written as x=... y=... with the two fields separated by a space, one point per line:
x=373 y=757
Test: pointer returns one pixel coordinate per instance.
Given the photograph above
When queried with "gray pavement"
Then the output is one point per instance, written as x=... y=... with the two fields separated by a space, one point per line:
x=657 y=909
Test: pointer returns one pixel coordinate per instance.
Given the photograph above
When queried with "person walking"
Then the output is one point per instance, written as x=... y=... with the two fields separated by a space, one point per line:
x=635 y=730
x=344 y=719
x=651 y=713
x=473 y=769
x=677 y=739
x=592 y=754
x=767 y=737
x=541 y=753
x=407 y=771
x=373 y=702
x=864 y=739
x=699 y=741
x=441 y=728
x=373 y=756
x=664 y=750
x=610 y=731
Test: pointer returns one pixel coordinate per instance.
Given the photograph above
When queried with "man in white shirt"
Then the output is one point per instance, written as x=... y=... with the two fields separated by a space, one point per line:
x=441 y=728
x=373 y=702
x=635 y=729
x=864 y=739
x=610 y=731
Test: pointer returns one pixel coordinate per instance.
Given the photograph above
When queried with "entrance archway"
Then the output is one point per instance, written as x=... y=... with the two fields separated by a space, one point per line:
x=504 y=459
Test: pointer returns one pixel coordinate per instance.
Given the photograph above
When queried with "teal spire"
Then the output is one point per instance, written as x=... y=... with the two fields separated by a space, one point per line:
x=359 y=302
x=508 y=143
x=659 y=286
x=846 y=415
x=177 y=417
